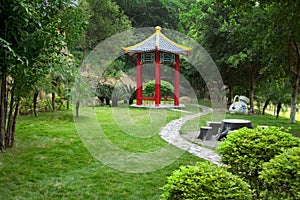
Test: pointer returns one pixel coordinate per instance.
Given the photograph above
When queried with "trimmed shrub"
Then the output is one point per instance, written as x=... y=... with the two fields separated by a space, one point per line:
x=245 y=150
x=205 y=181
x=282 y=176
x=166 y=88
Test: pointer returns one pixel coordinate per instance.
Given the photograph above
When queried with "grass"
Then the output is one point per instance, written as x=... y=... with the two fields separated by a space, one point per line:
x=50 y=161
x=284 y=113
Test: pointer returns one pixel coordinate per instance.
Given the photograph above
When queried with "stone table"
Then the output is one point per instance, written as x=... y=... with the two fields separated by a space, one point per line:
x=230 y=125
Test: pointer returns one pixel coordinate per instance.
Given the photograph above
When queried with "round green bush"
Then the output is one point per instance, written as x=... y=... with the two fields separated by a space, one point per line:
x=282 y=176
x=205 y=181
x=245 y=150
x=166 y=88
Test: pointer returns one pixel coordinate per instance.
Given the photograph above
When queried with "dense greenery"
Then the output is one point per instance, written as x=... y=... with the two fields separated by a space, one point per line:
x=252 y=42
x=166 y=88
x=246 y=150
x=34 y=41
x=205 y=181
x=281 y=175
x=105 y=20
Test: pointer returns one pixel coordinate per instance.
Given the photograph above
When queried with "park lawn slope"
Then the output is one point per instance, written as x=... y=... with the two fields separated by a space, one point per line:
x=49 y=161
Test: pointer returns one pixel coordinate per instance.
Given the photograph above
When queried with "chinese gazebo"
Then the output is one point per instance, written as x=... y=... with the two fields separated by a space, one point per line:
x=161 y=50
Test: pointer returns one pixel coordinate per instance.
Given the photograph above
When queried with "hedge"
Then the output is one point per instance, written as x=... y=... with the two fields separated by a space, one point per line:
x=282 y=175
x=245 y=150
x=205 y=181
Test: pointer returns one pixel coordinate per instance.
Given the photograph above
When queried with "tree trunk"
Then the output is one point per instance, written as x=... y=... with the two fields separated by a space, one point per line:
x=294 y=98
x=12 y=119
x=68 y=95
x=265 y=106
x=295 y=86
x=230 y=95
x=14 y=124
x=251 y=95
x=107 y=101
x=68 y=103
x=35 y=96
x=77 y=108
x=55 y=85
x=114 y=102
x=53 y=101
x=278 y=110
x=2 y=111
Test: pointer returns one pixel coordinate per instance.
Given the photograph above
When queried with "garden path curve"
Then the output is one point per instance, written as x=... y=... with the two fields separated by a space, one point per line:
x=170 y=133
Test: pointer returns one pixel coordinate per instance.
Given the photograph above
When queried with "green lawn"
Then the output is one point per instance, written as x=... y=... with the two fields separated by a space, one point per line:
x=50 y=161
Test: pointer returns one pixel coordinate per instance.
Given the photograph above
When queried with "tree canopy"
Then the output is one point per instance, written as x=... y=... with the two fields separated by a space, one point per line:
x=251 y=41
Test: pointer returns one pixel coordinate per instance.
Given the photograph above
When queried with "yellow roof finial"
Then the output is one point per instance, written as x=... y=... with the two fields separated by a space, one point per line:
x=157 y=28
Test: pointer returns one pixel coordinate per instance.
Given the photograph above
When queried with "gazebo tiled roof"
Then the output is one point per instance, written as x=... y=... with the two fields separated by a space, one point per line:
x=158 y=41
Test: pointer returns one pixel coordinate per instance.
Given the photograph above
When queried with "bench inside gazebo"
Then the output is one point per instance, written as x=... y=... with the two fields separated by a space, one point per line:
x=157 y=49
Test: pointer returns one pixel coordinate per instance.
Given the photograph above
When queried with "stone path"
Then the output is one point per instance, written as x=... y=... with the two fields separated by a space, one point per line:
x=170 y=133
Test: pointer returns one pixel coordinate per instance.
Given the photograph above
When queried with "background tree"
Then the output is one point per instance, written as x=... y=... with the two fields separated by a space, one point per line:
x=205 y=22
x=105 y=20
x=151 y=13
x=280 y=39
x=33 y=32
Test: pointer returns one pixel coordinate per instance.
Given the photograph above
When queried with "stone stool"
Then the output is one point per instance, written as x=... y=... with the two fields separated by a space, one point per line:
x=215 y=126
x=205 y=133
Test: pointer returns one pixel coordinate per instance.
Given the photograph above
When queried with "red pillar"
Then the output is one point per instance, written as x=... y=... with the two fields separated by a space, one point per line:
x=176 y=81
x=139 y=82
x=157 y=78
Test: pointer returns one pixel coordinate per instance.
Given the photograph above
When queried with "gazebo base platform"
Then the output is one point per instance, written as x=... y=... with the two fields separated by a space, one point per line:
x=168 y=106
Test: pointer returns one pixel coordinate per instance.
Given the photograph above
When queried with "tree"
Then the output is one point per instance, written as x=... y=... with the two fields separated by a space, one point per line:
x=33 y=32
x=105 y=20
x=281 y=38
x=151 y=13
x=205 y=21
x=277 y=92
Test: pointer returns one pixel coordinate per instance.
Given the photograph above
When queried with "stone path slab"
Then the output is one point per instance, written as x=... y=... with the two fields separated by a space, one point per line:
x=170 y=133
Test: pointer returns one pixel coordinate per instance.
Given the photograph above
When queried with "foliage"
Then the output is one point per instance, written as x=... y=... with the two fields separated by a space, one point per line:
x=279 y=44
x=205 y=23
x=205 y=181
x=246 y=42
x=281 y=175
x=34 y=37
x=126 y=92
x=245 y=150
x=149 y=13
x=114 y=69
x=104 y=91
x=106 y=19
x=166 y=88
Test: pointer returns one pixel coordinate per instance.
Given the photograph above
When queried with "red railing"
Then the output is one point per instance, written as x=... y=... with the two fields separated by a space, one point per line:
x=151 y=100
